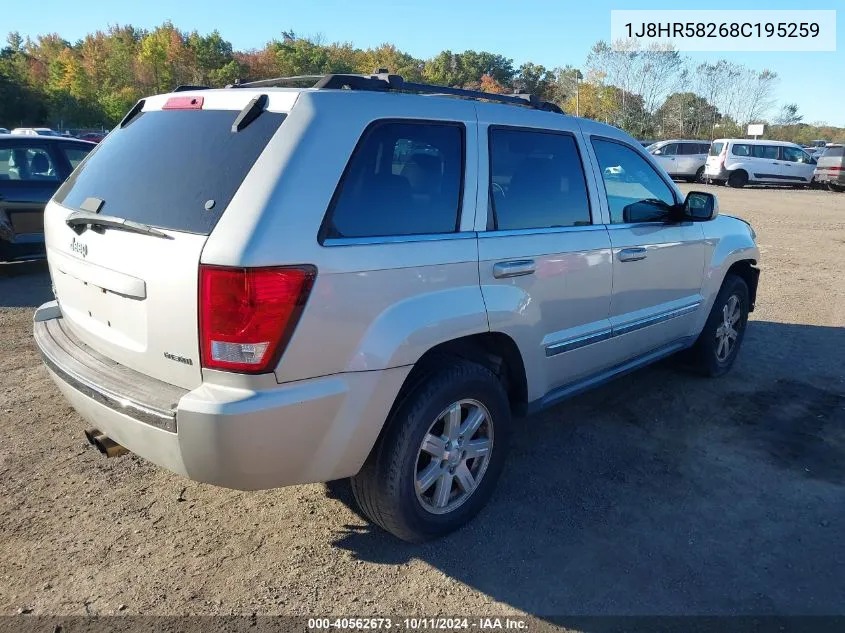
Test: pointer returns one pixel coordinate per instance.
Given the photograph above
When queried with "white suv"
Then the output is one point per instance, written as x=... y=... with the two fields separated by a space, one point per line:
x=739 y=162
x=259 y=286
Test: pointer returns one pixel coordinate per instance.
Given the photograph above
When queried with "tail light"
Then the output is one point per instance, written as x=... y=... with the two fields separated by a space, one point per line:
x=723 y=155
x=247 y=315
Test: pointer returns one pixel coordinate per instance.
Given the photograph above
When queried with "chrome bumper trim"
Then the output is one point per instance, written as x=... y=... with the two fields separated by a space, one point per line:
x=72 y=371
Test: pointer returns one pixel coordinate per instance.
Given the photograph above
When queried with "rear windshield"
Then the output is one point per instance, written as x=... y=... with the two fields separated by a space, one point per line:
x=831 y=152
x=716 y=149
x=174 y=169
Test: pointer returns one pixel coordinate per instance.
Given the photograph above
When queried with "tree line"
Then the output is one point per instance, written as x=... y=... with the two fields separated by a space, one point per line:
x=651 y=92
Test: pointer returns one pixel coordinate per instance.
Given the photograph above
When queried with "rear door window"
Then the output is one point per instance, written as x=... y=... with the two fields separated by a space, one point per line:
x=716 y=149
x=174 y=169
x=536 y=181
x=831 y=152
x=766 y=151
x=404 y=178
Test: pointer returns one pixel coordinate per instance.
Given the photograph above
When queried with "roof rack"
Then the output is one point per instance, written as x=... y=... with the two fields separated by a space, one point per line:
x=382 y=81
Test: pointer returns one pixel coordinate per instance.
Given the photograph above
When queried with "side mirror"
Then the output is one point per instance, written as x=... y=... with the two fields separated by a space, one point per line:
x=645 y=211
x=700 y=206
x=657 y=152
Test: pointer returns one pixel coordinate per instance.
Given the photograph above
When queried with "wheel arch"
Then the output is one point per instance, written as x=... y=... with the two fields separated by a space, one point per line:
x=750 y=274
x=496 y=351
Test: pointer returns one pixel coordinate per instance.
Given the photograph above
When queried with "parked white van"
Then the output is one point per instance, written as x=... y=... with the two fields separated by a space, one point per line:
x=739 y=162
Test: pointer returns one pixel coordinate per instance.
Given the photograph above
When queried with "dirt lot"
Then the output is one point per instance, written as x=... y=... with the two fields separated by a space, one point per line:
x=659 y=494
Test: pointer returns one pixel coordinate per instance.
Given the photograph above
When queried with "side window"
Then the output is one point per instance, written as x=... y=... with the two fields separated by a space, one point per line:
x=536 y=181
x=669 y=150
x=404 y=178
x=30 y=164
x=74 y=154
x=635 y=191
x=740 y=149
x=766 y=151
x=704 y=148
x=688 y=149
x=795 y=155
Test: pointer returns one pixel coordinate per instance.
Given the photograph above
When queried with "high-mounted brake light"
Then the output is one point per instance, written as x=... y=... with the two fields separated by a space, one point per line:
x=248 y=315
x=183 y=103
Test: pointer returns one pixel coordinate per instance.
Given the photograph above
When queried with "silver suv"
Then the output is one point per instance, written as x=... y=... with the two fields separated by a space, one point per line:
x=259 y=286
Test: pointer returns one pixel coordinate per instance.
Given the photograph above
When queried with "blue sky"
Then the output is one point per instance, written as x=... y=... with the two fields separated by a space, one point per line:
x=552 y=32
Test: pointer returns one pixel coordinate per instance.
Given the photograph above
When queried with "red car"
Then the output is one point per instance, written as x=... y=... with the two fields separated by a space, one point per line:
x=93 y=137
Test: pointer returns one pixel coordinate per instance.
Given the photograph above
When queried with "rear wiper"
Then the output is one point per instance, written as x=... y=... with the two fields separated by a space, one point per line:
x=80 y=219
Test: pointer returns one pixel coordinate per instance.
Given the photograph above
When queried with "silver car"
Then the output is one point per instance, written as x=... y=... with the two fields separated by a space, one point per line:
x=259 y=286
x=682 y=159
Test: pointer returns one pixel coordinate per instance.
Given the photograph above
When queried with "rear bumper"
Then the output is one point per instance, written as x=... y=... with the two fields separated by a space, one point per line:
x=715 y=173
x=237 y=437
x=823 y=175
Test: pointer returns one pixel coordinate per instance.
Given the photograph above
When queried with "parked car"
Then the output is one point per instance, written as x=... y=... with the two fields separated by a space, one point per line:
x=260 y=287
x=739 y=162
x=818 y=144
x=35 y=131
x=31 y=170
x=830 y=169
x=682 y=159
x=4 y=130
x=93 y=137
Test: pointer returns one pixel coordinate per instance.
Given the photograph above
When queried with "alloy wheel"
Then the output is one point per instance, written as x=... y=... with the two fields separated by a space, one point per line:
x=453 y=456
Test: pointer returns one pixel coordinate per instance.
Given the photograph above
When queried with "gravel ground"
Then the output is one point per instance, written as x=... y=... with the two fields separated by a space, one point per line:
x=661 y=493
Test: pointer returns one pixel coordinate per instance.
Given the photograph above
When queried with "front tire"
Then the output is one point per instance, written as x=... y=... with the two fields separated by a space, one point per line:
x=718 y=344
x=738 y=179
x=440 y=456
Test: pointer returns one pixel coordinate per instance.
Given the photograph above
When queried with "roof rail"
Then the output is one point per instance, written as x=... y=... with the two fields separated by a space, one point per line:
x=186 y=87
x=383 y=81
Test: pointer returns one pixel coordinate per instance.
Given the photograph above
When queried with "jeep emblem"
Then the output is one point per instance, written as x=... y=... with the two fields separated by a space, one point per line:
x=79 y=247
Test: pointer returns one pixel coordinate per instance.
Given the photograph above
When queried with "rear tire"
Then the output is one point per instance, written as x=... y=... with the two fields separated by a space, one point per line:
x=699 y=175
x=715 y=351
x=420 y=481
x=738 y=179
x=834 y=187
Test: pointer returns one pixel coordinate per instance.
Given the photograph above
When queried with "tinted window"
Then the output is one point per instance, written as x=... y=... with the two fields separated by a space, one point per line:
x=165 y=167
x=740 y=149
x=537 y=181
x=765 y=151
x=669 y=150
x=75 y=153
x=635 y=191
x=834 y=151
x=688 y=149
x=703 y=148
x=404 y=178
x=795 y=155
x=716 y=149
x=20 y=162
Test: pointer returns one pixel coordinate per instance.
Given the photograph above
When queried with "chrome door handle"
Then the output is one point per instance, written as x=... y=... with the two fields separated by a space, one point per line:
x=515 y=268
x=632 y=254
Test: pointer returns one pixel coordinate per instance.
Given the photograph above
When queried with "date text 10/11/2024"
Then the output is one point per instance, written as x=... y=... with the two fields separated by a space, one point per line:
x=418 y=624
